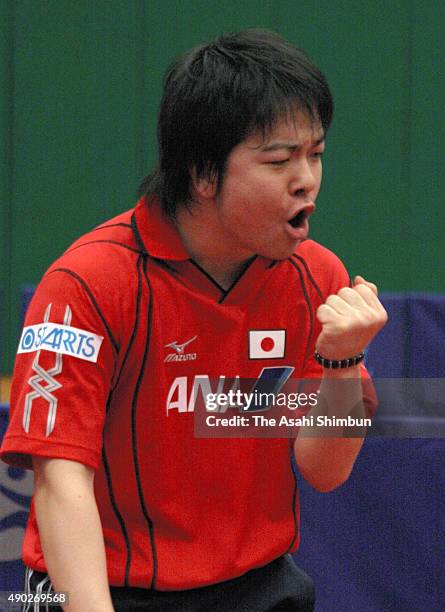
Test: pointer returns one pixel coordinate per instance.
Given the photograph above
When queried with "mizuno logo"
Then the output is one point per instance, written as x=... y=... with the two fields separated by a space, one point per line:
x=180 y=354
x=179 y=348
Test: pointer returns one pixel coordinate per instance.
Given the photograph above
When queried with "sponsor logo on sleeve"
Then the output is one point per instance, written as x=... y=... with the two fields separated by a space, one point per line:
x=44 y=381
x=61 y=339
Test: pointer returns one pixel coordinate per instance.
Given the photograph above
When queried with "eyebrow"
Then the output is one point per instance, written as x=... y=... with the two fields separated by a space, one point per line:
x=275 y=146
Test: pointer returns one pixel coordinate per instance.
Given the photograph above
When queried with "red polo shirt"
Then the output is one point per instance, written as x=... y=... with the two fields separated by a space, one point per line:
x=119 y=330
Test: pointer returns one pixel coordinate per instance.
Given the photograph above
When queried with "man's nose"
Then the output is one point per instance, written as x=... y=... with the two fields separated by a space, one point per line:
x=303 y=180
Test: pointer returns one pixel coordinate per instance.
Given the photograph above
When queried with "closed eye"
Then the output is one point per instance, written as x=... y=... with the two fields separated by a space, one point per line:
x=278 y=162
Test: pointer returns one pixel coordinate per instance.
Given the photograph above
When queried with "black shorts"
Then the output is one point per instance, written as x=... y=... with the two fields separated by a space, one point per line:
x=280 y=586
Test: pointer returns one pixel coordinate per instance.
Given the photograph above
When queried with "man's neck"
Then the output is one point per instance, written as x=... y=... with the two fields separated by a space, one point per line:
x=202 y=238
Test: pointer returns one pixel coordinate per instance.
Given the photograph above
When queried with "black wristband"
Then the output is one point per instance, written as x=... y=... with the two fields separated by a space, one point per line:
x=334 y=364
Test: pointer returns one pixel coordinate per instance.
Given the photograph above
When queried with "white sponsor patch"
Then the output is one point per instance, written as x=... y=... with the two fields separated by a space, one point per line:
x=267 y=343
x=62 y=339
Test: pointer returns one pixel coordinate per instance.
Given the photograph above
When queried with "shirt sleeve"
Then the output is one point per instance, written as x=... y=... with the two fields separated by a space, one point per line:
x=62 y=375
x=331 y=275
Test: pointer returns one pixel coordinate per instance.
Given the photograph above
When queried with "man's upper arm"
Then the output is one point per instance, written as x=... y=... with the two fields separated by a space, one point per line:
x=62 y=377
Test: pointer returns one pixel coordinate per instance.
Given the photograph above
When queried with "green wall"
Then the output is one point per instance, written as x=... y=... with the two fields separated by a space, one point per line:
x=80 y=89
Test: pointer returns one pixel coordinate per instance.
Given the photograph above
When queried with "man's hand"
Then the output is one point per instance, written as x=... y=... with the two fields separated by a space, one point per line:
x=350 y=320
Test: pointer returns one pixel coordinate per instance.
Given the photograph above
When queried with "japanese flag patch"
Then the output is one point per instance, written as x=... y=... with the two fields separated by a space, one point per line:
x=267 y=343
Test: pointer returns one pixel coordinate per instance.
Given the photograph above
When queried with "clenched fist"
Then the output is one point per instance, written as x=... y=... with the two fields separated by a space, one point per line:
x=350 y=320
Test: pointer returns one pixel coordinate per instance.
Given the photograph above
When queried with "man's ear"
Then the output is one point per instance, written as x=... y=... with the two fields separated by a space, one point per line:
x=204 y=187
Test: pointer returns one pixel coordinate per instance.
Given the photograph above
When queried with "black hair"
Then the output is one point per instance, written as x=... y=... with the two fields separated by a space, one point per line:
x=218 y=94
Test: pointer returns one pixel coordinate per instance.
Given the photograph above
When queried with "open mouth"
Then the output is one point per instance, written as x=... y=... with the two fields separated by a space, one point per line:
x=298 y=220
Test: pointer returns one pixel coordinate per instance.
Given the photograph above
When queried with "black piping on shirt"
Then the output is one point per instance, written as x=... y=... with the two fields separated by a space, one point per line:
x=139 y=264
x=294 y=495
x=93 y=301
x=311 y=278
x=100 y=227
x=309 y=306
x=116 y=512
x=134 y=431
x=207 y=275
x=104 y=456
x=121 y=244
x=137 y=235
x=236 y=281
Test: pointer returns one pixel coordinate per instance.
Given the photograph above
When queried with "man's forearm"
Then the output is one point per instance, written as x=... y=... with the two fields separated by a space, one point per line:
x=71 y=536
x=326 y=455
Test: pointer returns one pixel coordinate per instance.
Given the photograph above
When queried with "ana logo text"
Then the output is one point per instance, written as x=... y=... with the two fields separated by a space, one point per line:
x=184 y=393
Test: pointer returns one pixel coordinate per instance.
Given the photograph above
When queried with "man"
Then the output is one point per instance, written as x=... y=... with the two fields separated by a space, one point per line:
x=210 y=276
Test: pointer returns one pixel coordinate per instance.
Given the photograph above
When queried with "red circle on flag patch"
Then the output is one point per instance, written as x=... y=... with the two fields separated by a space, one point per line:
x=267 y=344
